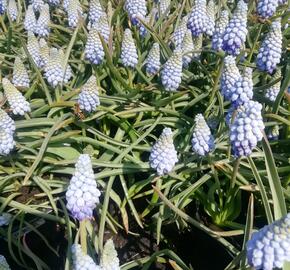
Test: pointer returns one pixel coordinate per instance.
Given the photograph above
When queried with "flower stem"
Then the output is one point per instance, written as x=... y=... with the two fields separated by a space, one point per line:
x=83 y=236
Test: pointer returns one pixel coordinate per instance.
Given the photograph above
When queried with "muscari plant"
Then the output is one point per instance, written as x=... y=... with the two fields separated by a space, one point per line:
x=168 y=102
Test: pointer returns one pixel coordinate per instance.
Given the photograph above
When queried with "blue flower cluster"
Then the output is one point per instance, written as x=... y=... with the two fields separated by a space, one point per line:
x=230 y=76
x=129 y=56
x=171 y=72
x=269 y=247
x=163 y=155
x=271 y=49
x=267 y=8
x=202 y=139
x=94 y=51
x=153 y=60
x=197 y=21
x=246 y=129
x=82 y=194
x=89 y=95
x=236 y=31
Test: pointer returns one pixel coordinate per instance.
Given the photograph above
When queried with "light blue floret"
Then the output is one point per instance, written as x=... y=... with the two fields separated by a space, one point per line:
x=236 y=30
x=163 y=155
x=271 y=49
x=202 y=139
x=197 y=21
x=247 y=127
x=269 y=248
x=171 y=72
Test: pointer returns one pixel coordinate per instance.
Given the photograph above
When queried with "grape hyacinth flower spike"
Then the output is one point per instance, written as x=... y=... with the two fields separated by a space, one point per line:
x=94 y=51
x=12 y=10
x=89 y=95
x=163 y=155
x=82 y=194
x=129 y=56
x=109 y=259
x=230 y=76
x=246 y=129
x=171 y=72
x=42 y=25
x=179 y=33
x=187 y=49
x=3 y=6
x=7 y=144
x=268 y=248
x=6 y=122
x=20 y=75
x=236 y=30
x=16 y=100
x=33 y=48
x=210 y=13
x=273 y=91
x=267 y=8
x=136 y=9
x=3 y=263
x=30 y=19
x=95 y=11
x=82 y=261
x=74 y=13
x=269 y=54
x=197 y=21
x=217 y=38
x=202 y=139
x=153 y=60
x=242 y=91
x=53 y=71
x=7 y=129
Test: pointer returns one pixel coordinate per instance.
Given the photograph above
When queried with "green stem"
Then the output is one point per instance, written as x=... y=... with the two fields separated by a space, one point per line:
x=235 y=171
x=216 y=83
x=83 y=235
